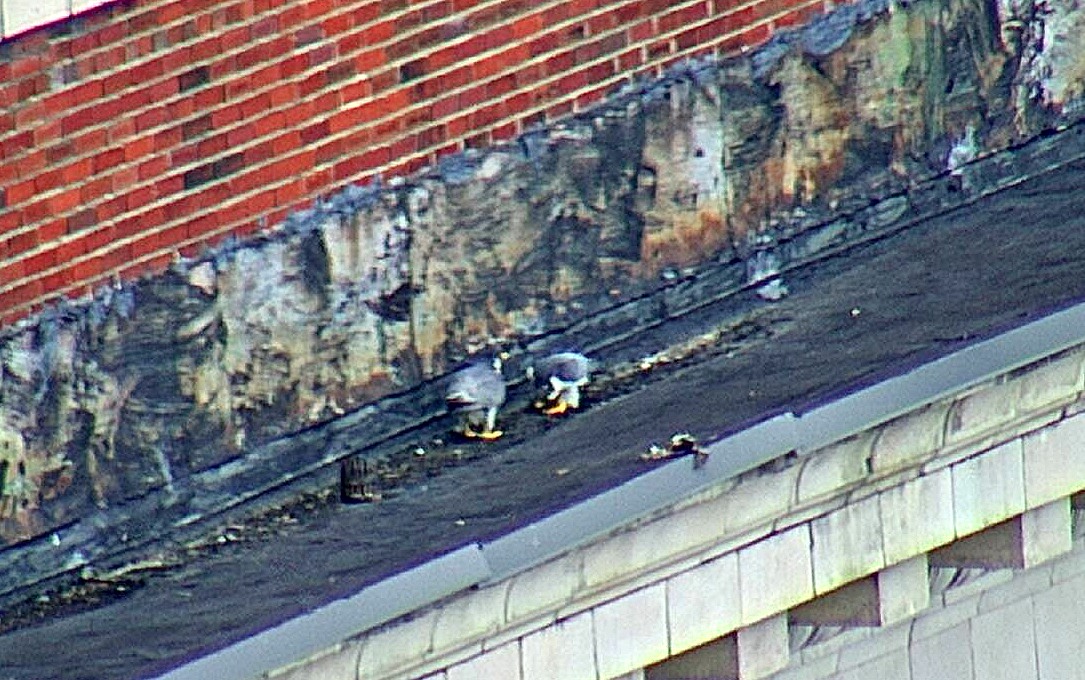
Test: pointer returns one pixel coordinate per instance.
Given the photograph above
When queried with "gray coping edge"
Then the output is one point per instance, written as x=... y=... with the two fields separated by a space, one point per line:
x=483 y=563
x=305 y=635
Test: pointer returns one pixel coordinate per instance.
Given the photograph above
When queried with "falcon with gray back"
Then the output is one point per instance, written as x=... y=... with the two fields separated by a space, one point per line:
x=564 y=373
x=477 y=392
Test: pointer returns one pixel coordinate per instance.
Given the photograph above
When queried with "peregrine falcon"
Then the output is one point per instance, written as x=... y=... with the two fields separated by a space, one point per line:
x=477 y=391
x=564 y=373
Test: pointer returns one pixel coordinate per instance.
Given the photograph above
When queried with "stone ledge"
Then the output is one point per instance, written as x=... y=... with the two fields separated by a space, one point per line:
x=949 y=496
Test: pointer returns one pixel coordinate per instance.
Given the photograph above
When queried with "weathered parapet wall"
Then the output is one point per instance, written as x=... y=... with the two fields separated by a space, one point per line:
x=149 y=127
x=163 y=400
x=727 y=584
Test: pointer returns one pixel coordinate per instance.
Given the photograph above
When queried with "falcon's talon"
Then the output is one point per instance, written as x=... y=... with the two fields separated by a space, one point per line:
x=477 y=392
x=563 y=374
x=557 y=409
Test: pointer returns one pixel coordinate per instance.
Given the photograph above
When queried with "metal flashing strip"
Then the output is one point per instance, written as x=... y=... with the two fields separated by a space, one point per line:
x=639 y=498
x=306 y=635
x=941 y=377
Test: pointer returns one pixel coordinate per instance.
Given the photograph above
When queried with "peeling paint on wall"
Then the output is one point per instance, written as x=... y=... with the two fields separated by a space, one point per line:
x=376 y=290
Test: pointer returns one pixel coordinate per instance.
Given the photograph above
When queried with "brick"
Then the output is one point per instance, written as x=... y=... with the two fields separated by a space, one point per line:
x=153 y=168
x=847 y=544
x=501 y=662
x=775 y=573
x=64 y=201
x=562 y=651
x=193 y=78
x=798 y=17
x=12 y=271
x=196 y=127
x=24 y=294
x=988 y=488
x=631 y=632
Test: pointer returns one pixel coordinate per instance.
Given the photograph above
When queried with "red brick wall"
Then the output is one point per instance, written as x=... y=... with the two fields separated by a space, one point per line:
x=153 y=127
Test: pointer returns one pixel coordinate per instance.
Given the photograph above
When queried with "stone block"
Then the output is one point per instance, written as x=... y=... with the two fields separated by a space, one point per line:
x=820 y=668
x=759 y=501
x=1050 y=382
x=1070 y=566
x=1046 y=532
x=396 y=646
x=631 y=632
x=84 y=5
x=937 y=619
x=19 y=17
x=881 y=643
x=1055 y=461
x=564 y=650
x=981 y=411
x=910 y=439
x=893 y=666
x=1060 y=630
x=762 y=648
x=775 y=573
x=1003 y=640
x=903 y=590
x=1025 y=583
x=470 y=617
x=988 y=488
x=634 y=552
x=542 y=588
x=501 y=662
x=834 y=468
x=946 y=655
x=917 y=516
x=847 y=544
x=703 y=603
x=338 y=663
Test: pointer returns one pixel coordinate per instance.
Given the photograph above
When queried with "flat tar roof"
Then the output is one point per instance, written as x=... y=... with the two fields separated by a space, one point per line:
x=878 y=311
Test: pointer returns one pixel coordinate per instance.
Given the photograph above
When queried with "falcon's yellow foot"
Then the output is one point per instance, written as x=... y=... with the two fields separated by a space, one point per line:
x=557 y=409
x=489 y=435
x=468 y=432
